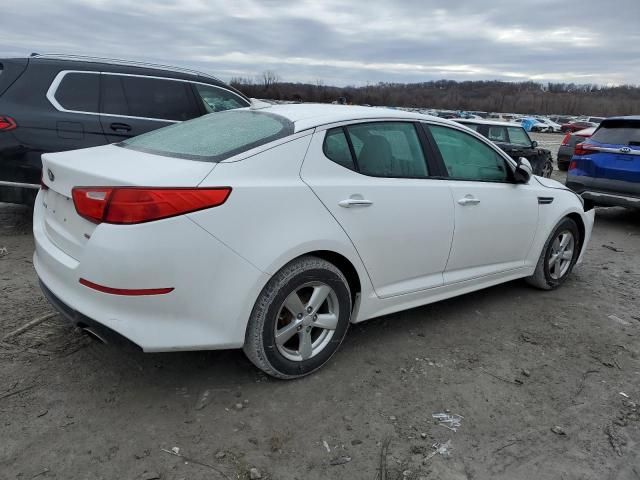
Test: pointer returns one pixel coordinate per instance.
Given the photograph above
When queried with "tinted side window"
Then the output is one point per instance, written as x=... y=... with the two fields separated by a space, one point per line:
x=79 y=92
x=217 y=100
x=467 y=158
x=336 y=148
x=497 y=134
x=148 y=98
x=388 y=149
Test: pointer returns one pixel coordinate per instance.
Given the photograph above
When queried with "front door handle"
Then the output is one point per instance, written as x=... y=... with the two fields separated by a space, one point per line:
x=469 y=200
x=355 y=202
x=120 y=127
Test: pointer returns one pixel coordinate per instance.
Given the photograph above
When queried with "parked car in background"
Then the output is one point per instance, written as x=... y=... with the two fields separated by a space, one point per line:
x=570 y=140
x=553 y=126
x=531 y=124
x=576 y=125
x=159 y=242
x=52 y=103
x=605 y=168
x=596 y=120
x=515 y=142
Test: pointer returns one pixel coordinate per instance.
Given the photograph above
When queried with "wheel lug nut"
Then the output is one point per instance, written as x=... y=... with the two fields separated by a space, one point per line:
x=309 y=309
x=315 y=317
x=300 y=328
x=299 y=315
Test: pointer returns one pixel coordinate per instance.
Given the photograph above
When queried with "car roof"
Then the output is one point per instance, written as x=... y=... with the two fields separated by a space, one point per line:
x=310 y=115
x=81 y=62
x=488 y=122
x=628 y=117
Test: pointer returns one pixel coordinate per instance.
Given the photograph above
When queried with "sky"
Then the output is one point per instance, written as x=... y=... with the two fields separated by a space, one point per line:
x=344 y=42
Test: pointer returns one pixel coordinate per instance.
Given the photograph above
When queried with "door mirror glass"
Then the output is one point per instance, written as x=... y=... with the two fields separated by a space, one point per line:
x=534 y=144
x=523 y=171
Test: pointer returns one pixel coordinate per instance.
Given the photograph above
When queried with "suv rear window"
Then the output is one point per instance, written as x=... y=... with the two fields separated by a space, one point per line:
x=213 y=137
x=619 y=132
x=79 y=92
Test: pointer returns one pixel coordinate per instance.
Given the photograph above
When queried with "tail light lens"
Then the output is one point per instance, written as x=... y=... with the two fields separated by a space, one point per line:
x=572 y=165
x=566 y=139
x=7 y=123
x=130 y=205
x=582 y=149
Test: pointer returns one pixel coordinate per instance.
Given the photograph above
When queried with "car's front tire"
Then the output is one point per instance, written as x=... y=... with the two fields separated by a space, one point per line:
x=558 y=257
x=300 y=318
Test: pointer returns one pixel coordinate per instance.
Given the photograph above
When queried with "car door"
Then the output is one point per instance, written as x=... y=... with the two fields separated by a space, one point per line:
x=375 y=180
x=136 y=104
x=495 y=218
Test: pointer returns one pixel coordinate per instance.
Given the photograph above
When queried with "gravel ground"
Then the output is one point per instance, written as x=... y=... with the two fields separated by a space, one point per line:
x=546 y=382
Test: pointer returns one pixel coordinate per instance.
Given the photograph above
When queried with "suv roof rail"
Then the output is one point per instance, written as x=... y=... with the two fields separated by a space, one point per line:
x=116 y=61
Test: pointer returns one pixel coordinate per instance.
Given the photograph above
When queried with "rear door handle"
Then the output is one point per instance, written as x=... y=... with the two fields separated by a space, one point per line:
x=469 y=200
x=355 y=202
x=120 y=127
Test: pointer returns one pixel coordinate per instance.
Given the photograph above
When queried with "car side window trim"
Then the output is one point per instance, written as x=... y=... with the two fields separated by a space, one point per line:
x=509 y=162
x=53 y=88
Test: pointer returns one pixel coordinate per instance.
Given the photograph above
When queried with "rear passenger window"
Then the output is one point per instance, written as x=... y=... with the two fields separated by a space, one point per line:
x=148 y=98
x=467 y=158
x=388 y=149
x=79 y=92
x=497 y=134
x=336 y=148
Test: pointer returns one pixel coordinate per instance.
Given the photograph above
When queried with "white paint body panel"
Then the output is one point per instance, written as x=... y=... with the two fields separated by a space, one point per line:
x=415 y=243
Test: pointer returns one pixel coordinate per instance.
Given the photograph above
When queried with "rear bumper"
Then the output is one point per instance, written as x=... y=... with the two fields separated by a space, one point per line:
x=611 y=199
x=605 y=192
x=214 y=288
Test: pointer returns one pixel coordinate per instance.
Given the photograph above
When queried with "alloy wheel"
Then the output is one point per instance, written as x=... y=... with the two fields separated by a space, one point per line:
x=307 y=320
x=561 y=254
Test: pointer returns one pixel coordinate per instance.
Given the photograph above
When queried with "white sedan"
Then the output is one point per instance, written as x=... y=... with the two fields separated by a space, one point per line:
x=273 y=229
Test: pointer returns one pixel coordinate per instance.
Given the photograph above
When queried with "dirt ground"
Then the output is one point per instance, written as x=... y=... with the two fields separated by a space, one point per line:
x=546 y=383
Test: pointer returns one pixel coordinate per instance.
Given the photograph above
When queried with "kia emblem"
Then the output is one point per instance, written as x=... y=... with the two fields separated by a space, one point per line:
x=625 y=150
x=50 y=174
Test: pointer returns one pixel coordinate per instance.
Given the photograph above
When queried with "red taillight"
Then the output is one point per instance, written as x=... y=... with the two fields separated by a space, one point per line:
x=566 y=139
x=572 y=165
x=129 y=205
x=7 y=123
x=582 y=149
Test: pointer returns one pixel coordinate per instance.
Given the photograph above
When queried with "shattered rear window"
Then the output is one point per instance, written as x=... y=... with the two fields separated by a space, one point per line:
x=214 y=137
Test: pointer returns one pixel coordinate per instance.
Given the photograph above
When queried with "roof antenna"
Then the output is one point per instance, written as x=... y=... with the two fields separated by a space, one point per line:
x=34 y=54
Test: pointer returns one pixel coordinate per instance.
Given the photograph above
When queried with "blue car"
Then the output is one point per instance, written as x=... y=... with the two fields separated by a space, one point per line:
x=605 y=169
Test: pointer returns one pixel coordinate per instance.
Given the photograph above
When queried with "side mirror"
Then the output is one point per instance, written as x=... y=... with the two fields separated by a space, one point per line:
x=523 y=171
x=534 y=144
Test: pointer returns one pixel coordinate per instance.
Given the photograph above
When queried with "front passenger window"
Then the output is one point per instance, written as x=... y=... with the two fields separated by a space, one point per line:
x=467 y=158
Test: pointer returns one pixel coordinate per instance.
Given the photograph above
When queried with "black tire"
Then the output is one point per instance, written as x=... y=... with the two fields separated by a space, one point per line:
x=563 y=166
x=260 y=343
x=542 y=277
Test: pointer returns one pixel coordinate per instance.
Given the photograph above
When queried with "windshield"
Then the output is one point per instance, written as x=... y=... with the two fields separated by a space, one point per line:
x=619 y=132
x=213 y=137
x=517 y=136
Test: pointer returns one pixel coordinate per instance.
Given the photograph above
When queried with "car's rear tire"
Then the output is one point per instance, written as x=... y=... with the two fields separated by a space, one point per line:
x=300 y=318
x=557 y=258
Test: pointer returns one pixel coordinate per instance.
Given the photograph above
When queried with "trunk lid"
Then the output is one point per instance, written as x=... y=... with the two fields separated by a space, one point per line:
x=103 y=166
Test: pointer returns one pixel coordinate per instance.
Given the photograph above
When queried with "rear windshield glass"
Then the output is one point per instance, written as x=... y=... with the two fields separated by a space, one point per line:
x=619 y=132
x=214 y=137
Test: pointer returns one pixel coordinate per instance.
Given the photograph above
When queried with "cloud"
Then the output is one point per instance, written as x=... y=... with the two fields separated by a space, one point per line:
x=343 y=42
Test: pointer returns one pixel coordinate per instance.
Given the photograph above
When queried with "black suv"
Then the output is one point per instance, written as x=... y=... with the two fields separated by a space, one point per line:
x=52 y=103
x=515 y=142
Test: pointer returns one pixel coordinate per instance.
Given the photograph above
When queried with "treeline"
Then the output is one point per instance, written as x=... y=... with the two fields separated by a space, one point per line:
x=488 y=96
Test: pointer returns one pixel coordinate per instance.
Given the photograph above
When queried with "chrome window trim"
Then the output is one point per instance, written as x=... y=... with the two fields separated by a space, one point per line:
x=53 y=88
